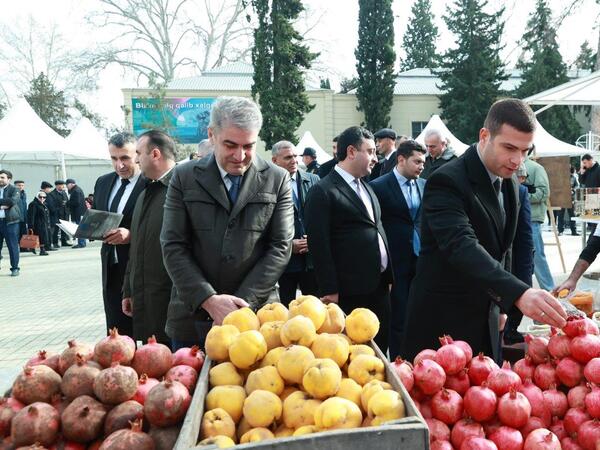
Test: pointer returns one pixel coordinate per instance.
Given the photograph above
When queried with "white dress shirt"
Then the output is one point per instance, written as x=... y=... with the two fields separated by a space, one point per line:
x=3 y=212
x=126 y=194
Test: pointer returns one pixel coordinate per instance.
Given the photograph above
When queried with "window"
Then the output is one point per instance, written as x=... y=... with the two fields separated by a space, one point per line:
x=416 y=128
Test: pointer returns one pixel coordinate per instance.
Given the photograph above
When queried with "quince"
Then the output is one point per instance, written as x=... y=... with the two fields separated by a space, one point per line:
x=337 y=412
x=272 y=312
x=272 y=357
x=219 y=441
x=292 y=361
x=299 y=410
x=271 y=331
x=311 y=307
x=360 y=349
x=365 y=368
x=306 y=429
x=321 y=378
x=298 y=330
x=266 y=378
x=243 y=319
x=335 y=320
x=225 y=374
x=331 y=346
x=369 y=390
x=229 y=398
x=247 y=348
x=350 y=390
x=256 y=435
x=262 y=408
x=362 y=325
x=218 y=340
x=217 y=422
x=385 y=406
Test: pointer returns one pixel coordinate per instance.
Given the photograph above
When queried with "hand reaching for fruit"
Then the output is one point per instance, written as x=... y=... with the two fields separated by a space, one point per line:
x=541 y=306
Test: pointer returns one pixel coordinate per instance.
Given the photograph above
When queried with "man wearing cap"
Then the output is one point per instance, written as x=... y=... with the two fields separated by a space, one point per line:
x=20 y=185
x=438 y=152
x=57 y=205
x=76 y=206
x=385 y=139
x=309 y=158
x=49 y=210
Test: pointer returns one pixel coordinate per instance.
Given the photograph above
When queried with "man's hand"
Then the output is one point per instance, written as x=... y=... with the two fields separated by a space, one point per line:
x=219 y=305
x=502 y=318
x=118 y=236
x=541 y=306
x=331 y=298
x=127 y=306
x=299 y=246
x=568 y=284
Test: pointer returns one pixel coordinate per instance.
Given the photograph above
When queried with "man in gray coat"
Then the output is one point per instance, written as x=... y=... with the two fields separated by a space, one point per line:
x=228 y=226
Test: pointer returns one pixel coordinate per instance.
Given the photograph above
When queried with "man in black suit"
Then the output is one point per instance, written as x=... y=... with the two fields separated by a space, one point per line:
x=400 y=194
x=57 y=204
x=299 y=272
x=468 y=223
x=385 y=140
x=345 y=234
x=117 y=192
x=309 y=158
x=76 y=205
x=329 y=165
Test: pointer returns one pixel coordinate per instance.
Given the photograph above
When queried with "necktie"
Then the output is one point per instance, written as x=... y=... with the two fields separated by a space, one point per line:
x=114 y=205
x=413 y=204
x=294 y=196
x=364 y=197
x=498 y=190
x=234 y=190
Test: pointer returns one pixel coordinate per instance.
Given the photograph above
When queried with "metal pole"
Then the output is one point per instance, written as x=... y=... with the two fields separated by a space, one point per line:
x=63 y=166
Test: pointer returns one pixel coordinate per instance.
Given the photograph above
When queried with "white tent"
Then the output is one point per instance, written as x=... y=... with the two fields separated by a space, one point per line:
x=309 y=141
x=580 y=91
x=547 y=145
x=436 y=123
x=85 y=140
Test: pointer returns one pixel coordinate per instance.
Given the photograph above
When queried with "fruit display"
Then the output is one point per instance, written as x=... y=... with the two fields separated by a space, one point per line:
x=280 y=373
x=550 y=399
x=110 y=396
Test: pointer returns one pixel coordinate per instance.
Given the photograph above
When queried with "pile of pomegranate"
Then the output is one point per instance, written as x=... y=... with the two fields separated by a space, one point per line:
x=105 y=397
x=548 y=400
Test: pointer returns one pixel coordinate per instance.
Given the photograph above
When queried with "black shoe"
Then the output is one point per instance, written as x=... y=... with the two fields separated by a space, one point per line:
x=513 y=337
x=78 y=246
x=33 y=251
x=575 y=233
x=52 y=249
x=44 y=253
x=560 y=233
x=14 y=272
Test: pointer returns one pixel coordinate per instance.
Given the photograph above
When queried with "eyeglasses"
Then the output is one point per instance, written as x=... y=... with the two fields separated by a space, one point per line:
x=41 y=196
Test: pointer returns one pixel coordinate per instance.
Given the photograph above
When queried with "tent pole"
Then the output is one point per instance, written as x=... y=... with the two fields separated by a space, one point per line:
x=63 y=166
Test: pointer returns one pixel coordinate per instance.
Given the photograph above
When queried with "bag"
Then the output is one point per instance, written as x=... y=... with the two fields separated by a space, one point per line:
x=30 y=241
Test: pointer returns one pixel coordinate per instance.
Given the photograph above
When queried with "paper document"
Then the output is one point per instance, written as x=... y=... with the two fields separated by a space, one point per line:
x=94 y=224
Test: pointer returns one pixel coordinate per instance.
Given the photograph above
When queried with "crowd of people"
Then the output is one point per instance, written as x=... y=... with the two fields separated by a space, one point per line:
x=432 y=243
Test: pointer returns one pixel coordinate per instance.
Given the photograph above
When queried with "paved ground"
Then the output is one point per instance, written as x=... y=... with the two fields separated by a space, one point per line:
x=59 y=297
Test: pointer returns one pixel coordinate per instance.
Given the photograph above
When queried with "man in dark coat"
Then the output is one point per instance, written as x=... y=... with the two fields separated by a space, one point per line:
x=117 y=192
x=345 y=234
x=329 y=165
x=438 y=152
x=10 y=216
x=228 y=226
x=76 y=206
x=468 y=223
x=20 y=185
x=38 y=218
x=309 y=158
x=147 y=286
x=400 y=195
x=385 y=140
x=589 y=175
x=299 y=272
x=57 y=204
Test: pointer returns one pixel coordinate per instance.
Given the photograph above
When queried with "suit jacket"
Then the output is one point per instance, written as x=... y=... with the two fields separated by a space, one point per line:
x=327 y=167
x=384 y=166
x=12 y=200
x=211 y=247
x=23 y=205
x=342 y=238
x=461 y=280
x=397 y=221
x=76 y=201
x=102 y=190
x=522 y=248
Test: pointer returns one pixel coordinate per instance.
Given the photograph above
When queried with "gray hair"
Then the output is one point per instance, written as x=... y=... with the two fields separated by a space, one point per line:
x=121 y=139
x=205 y=148
x=281 y=145
x=235 y=111
x=433 y=132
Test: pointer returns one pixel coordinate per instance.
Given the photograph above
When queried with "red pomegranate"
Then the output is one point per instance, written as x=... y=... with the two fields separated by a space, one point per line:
x=405 y=372
x=558 y=428
x=121 y=415
x=569 y=443
x=115 y=384
x=535 y=396
x=186 y=375
x=574 y=418
x=79 y=379
x=592 y=402
x=133 y=438
x=556 y=402
x=532 y=424
x=36 y=384
x=502 y=380
x=43 y=357
x=167 y=403
x=429 y=376
x=144 y=386
x=450 y=356
x=69 y=356
x=38 y=422
x=478 y=443
x=62 y=444
x=514 y=409
x=592 y=371
x=459 y=382
x=480 y=403
x=153 y=359
x=541 y=439
x=441 y=445
x=114 y=348
x=558 y=345
x=585 y=347
x=537 y=348
x=569 y=372
x=480 y=368
x=424 y=354
x=164 y=438
x=545 y=375
x=447 y=406
x=589 y=434
x=464 y=429
x=82 y=420
x=438 y=430
x=576 y=396
x=193 y=357
x=507 y=438
x=525 y=368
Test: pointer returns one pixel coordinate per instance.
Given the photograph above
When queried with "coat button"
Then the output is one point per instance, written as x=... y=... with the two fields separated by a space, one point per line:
x=231 y=223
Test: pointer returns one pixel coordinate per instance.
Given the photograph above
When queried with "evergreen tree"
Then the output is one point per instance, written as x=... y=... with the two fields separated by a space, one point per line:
x=586 y=58
x=543 y=68
x=375 y=57
x=49 y=104
x=472 y=72
x=324 y=83
x=279 y=58
x=420 y=37
x=2 y=109
x=348 y=84
x=96 y=119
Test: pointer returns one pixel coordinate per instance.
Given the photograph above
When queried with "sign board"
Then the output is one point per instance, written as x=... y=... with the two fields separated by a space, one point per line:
x=558 y=170
x=185 y=119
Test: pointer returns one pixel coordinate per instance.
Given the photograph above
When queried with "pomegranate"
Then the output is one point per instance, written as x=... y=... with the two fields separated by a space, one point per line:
x=82 y=420
x=524 y=368
x=458 y=382
x=514 y=409
x=404 y=371
x=585 y=347
x=61 y=444
x=59 y=402
x=541 y=439
x=153 y=359
x=447 y=406
x=537 y=348
x=69 y=356
x=36 y=384
x=425 y=409
x=429 y=376
x=95 y=445
x=576 y=396
x=6 y=415
x=556 y=402
x=417 y=394
x=592 y=402
x=119 y=417
x=569 y=372
x=424 y=354
x=558 y=345
x=480 y=403
x=164 y=438
x=441 y=445
x=114 y=348
x=574 y=418
x=115 y=384
x=592 y=371
x=38 y=422
x=478 y=443
x=438 y=430
x=570 y=444
x=144 y=386
x=532 y=424
x=465 y=348
x=464 y=429
x=492 y=425
x=558 y=428
x=133 y=438
x=79 y=379
x=535 y=396
x=186 y=375
x=480 y=368
x=574 y=326
x=451 y=357
x=193 y=357
x=167 y=403
x=502 y=380
x=507 y=438
x=46 y=359
x=589 y=434
x=545 y=376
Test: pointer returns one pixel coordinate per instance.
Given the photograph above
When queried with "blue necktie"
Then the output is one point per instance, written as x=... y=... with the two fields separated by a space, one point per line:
x=413 y=204
x=234 y=190
x=294 y=196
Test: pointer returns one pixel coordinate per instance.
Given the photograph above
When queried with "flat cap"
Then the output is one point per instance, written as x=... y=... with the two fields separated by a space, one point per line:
x=71 y=180
x=309 y=151
x=385 y=133
x=45 y=185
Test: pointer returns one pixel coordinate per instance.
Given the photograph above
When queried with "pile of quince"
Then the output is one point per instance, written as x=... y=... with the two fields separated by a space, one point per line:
x=281 y=373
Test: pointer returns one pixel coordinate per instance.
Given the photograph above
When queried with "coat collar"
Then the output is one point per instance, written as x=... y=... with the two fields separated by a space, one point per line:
x=345 y=189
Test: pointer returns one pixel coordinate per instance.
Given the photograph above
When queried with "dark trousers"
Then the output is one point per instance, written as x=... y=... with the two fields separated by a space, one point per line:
x=378 y=302
x=399 y=302
x=22 y=229
x=80 y=242
x=9 y=232
x=112 y=301
x=561 y=220
x=289 y=283
x=63 y=236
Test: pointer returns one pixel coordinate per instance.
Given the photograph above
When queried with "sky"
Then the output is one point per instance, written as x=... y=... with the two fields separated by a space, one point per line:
x=333 y=31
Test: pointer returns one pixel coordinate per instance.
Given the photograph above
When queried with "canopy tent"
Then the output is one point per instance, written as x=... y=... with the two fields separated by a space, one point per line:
x=85 y=140
x=309 y=141
x=580 y=91
x=436 y=123
x=547 y=145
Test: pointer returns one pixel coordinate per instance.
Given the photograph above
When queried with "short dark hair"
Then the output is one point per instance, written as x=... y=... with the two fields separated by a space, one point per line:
x=510 y=111
x=587 y=157
x=8 y=173
x=335 y=138
x=162 y=141
x=121 y=139
x=409 y=146
x=352 y=136
x=19 y=181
